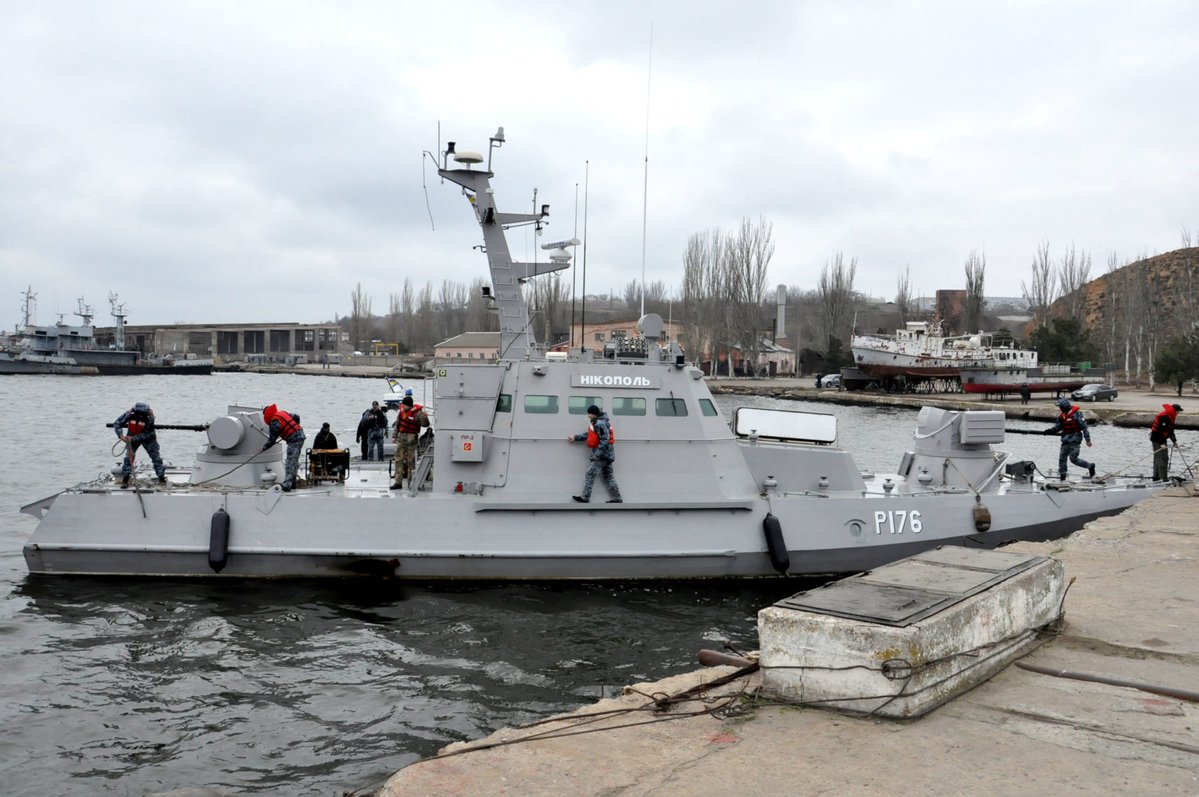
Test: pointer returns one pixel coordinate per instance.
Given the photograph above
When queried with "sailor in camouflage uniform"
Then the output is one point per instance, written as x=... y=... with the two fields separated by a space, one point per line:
x=601 y=441
x=136 y=428
x=287 y=426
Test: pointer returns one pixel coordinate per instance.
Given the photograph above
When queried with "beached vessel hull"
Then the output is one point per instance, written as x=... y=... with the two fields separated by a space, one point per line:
x=994 y=381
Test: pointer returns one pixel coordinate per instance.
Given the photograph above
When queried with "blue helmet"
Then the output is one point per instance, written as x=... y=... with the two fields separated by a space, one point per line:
x=1064 y=403
x=141 y=406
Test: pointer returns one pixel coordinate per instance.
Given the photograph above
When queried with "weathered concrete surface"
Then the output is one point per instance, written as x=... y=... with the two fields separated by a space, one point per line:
x=1132 y=612
x=812 y=657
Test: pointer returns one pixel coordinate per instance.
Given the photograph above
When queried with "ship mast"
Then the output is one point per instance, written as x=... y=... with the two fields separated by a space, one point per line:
x=507 y=277
x=118 y=316
x=27 y=310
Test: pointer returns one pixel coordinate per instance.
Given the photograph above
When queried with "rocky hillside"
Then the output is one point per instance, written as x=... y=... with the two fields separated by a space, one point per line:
x=1141 y=305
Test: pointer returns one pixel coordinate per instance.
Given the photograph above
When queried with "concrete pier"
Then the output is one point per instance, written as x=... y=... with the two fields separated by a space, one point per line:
x=908 y=636
x=1131 y=612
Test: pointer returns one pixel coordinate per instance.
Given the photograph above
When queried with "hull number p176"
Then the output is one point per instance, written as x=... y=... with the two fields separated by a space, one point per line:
x=897 y=521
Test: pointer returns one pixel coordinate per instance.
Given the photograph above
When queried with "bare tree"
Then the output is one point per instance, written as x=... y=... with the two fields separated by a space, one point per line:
x=1042 y=290
x=632 y=294
x=408 y=308
x=423 y=330
x=834 y=294
x=360 y=313
x=903 y=295
x=976 y=270
x=748 y=255
x=479 y=315
x=698 y=318
x=1073 y=273
x=393 y=318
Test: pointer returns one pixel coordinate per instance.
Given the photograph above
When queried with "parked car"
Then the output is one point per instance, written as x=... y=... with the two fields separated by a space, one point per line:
x=831 y=380
x=1095 y=393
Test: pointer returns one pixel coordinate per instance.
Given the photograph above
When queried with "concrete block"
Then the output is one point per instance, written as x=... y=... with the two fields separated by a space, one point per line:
x=905 y=638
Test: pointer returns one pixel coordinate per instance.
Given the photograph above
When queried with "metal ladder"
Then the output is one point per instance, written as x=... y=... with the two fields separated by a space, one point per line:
x=424 y=464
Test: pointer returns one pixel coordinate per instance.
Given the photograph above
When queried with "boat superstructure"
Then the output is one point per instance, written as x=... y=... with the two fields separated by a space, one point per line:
x=761 y=494
x=922 y=351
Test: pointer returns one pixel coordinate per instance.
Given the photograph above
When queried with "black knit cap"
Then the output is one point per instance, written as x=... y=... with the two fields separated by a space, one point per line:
x=1178 y=408
x=593 y=410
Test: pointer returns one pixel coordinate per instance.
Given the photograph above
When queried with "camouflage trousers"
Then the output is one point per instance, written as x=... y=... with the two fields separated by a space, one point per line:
x=294 y=446
x=1070 y=450
x=151 y=447
x=603 y=468
x=405 y=455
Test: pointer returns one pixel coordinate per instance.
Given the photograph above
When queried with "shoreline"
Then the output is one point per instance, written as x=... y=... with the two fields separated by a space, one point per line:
x=1128 y=617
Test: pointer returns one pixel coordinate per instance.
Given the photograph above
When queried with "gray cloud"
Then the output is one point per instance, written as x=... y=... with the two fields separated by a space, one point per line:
x=222 y=162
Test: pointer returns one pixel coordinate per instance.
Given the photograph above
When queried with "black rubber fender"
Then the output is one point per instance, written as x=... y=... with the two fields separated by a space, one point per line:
x=776 y=546
x=982 y=517
x=218 y=541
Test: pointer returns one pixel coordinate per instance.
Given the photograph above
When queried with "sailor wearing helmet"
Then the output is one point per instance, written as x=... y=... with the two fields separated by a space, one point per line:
x=135 y=427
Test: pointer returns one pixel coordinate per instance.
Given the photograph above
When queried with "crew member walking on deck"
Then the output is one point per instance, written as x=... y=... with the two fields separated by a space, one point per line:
x=135 y=427
x=410 y=420
x=286 y=426
x=602 y=442
x=1161 y=432
x=1073 y=428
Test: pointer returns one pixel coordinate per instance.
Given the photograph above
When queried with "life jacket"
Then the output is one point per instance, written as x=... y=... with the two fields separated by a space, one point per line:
x=1163 y=423
x=408 y=421
x=593 y=440
x=137 y=424
x=1069 y=421
x=287 y=424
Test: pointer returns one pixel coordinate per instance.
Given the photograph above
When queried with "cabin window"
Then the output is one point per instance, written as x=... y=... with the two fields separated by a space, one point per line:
x=628 y=406
x=541 y=405
x=670 y=407
x=706 y=407
x=577 y=405
x=504 y=403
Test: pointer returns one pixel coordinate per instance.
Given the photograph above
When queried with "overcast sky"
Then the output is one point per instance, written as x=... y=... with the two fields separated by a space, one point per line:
x=254 y=161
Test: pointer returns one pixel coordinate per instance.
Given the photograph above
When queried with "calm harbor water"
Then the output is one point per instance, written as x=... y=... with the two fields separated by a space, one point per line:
x=126 y=687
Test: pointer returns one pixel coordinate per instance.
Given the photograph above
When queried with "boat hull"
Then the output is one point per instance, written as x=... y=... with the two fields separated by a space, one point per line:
x=305 y=534
x=17 y=366
x=999 y=381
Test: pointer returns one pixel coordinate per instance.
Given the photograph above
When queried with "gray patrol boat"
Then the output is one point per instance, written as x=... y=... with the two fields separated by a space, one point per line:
x=761 y=494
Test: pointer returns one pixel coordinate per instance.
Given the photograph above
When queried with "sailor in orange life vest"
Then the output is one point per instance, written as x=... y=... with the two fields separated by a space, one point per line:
x=409 y=421
x=139 y=425
x=602 y=443
x=1073 y=428
x=1160 y=433
x=286 y=426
